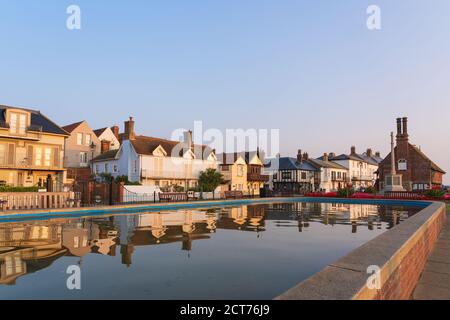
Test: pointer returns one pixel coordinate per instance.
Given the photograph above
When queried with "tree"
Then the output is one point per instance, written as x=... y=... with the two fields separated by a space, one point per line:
x=209 y=180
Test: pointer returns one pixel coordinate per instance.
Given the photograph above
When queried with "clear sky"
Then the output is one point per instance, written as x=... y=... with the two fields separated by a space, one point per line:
x=310 y=68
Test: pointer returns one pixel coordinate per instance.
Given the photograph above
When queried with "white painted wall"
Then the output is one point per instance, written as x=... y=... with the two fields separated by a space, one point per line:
x=108 y=135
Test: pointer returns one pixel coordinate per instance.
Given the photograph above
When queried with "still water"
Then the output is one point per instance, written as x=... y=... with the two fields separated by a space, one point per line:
x=246 y=252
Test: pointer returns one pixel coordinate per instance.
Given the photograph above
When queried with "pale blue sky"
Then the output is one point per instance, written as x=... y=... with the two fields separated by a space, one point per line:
x=310 y=68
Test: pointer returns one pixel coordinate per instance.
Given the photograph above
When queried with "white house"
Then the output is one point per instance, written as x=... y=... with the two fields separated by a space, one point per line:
x=331 y=176
x=156 y=162
x=362 y=167
x=109 y=134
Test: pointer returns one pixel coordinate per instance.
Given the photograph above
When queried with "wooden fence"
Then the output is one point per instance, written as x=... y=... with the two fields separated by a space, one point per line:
x=38 y=200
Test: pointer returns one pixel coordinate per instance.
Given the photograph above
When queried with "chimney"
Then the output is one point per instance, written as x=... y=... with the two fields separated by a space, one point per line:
x=353 y=150
x=115 y=130
x=332 y=155
x=405 y=126
x=325 y=157
x=305 y=156
x=299 y=156
x=106 y=145
x=369 y=153
x=129 y=130
x=188 y=139
x=378 y=154
x=399 y=127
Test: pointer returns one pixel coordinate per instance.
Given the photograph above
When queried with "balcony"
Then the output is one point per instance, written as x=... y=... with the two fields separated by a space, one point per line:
x=33 y=132
x=363 y=178
x=257 y=177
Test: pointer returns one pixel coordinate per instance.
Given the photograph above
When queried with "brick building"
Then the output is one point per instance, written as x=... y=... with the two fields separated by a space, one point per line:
x=417 y=170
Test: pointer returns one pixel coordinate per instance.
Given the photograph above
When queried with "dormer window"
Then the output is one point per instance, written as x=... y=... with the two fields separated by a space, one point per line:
x=18 y=123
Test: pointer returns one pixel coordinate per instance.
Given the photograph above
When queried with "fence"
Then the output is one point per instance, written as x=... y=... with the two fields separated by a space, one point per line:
x=403 y=195
x=39 y=200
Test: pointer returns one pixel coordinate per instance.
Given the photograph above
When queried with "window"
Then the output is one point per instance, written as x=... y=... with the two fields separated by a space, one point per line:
x=88 y=139
x=22 y=124
x=135 y=166
x=225 y=168
x=402 y=165
x=106 y=167
x=38 y=157
x=83 y=158
x=303 y=175
x=2 y=154
x=333 y=175
x=286 y=175
x=240 y=170
x=47 y=157
x=115 y=169
x=79 y=139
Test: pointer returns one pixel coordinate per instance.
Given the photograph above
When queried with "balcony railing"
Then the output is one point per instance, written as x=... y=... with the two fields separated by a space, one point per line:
x=363 y=178
x=257 y=177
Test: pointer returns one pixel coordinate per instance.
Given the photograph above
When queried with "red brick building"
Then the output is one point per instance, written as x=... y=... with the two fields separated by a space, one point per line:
x=418 y=171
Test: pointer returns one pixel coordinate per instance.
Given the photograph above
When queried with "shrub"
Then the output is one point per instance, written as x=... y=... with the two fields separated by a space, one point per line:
x=435 y=194
x=19 y=189
x=370 y=190
x=345 y=192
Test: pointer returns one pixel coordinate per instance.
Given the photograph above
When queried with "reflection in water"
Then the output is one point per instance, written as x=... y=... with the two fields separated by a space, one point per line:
x=26 y=248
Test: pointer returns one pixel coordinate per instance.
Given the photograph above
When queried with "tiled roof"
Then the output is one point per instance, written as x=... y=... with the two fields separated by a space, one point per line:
x=326 y=164
x=70 y=127
x=230 y=158
x=99 y=132
x=434 y=166
x=109 y=155
x=37 y=119
x=147 y=145
x=287 y=163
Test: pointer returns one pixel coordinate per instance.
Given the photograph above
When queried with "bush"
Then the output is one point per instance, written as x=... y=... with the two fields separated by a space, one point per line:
x=126 y=181
x=435 y=194
x=345 y=192
x=19 y=189
x=370 y=190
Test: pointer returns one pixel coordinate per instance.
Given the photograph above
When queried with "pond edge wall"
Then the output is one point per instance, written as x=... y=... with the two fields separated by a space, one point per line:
x=400 y=253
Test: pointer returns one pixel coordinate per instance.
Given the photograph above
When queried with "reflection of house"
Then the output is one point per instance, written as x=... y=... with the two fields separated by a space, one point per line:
x=31 y=148
x=245 y=218
x=417 y=170
x=154 y=161
x=26 y=249
x=163 y=228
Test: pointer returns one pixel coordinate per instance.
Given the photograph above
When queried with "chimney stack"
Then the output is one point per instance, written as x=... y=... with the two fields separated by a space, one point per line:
x=378 y=154
x=129 y=130
x=305 y=156
x=115 y=130
x=369 y=152
x=353 y=150
x=106 y=146
x=325 y=157
x=188 y=140
x=399 y=127
x=299 y=156
x=332 y=155
x=405 y=126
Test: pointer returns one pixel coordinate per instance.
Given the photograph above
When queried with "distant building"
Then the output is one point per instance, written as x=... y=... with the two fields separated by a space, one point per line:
x=417 y=170
x=293 y=175
x=31 y=149
x=331 y=176
x=362 y=168
x=81 y=147
x=156 y=162
x=110 y=135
